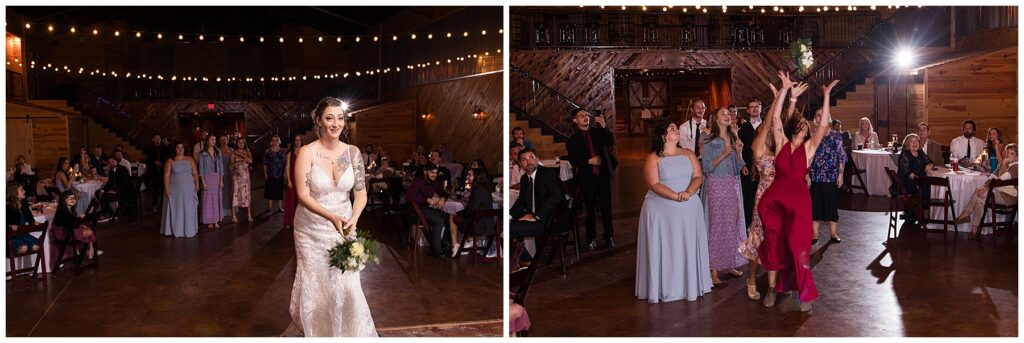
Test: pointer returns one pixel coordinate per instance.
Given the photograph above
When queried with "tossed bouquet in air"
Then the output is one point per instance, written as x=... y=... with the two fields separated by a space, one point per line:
x=354 y=253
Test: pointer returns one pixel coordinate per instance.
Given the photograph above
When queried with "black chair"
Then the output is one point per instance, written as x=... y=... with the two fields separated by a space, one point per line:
x=79 y=248
x=558 y=235
x=13 y=255
x=901 y=197
x=856 y=172
x=519 y=282
x=472 y=232
x=946 y=201
x=992 y=208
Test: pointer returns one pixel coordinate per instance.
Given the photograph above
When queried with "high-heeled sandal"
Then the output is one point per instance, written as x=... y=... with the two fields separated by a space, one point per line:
x=734 y=272
x=752 y=292
x=769 y=298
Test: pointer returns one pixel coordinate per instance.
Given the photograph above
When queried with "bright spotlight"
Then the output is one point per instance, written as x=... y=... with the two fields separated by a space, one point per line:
x=904 y=58
x=344 y=106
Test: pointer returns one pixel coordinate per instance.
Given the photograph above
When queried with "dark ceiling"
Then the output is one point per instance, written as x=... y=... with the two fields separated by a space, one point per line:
x=246 y=20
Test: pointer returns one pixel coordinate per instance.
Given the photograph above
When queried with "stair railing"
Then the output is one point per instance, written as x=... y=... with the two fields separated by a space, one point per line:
x=541 y=104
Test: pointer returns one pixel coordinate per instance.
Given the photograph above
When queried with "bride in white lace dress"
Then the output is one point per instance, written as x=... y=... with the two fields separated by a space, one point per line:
x=325 y=301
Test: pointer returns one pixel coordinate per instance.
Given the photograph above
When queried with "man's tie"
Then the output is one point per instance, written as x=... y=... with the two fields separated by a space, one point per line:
x=696 y=141
x=533 y=196
x=968 y=148
x=590 y=145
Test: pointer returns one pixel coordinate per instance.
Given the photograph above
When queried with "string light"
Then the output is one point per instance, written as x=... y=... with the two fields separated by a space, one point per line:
x=357 y=39
x=49 y=28
x=144 y=76
x=375 y=38
x=117 y=33
x=339 y=39
x=430 y=36
x=241 y=39
x=221 y=38
x=320 y=39
x=28 y=25
x=73 y=30
x=201 y=37
x=138 y=35
x=281 y=39
x=159 y=36
x=180 y=37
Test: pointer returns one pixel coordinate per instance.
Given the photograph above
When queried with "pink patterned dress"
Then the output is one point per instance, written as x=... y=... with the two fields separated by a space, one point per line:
x=242 y=196
x=755 y=234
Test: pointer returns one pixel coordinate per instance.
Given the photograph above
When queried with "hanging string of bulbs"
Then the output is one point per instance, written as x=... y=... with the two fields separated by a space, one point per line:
x=761 y=9
x=203 y=37
x=82 y=71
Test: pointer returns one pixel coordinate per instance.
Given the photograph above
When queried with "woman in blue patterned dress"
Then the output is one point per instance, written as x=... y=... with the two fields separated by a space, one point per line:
x=829 y=162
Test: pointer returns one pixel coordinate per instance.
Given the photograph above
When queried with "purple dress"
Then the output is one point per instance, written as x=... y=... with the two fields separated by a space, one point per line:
x=723 y=203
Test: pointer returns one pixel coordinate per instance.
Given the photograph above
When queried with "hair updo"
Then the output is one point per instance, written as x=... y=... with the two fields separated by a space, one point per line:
x=319 y=110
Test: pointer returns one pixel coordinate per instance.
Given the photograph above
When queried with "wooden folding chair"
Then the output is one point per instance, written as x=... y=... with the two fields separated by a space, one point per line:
x=992 y=208
x=477 y=215
x=519 y=285
x=421 y=227
x=856 y=172
x=13 y=255
x=78 y=248
x=946 y=201
x=901 y=197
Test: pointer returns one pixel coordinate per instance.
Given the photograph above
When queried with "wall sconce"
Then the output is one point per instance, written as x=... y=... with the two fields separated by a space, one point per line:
x=427 y=116
x=479 y=114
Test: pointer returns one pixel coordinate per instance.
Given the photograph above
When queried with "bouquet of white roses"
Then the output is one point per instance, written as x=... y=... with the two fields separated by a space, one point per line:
x=800 y=51
x=353 y=253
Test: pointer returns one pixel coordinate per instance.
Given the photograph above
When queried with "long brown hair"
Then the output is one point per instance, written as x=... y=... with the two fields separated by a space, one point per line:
x=716 y=130
x=12 y=194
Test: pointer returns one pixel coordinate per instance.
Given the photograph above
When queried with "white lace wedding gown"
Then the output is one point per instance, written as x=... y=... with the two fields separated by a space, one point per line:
x=326 y=302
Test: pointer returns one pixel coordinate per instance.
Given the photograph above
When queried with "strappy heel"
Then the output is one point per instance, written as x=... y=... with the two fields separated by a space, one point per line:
x=752 y=292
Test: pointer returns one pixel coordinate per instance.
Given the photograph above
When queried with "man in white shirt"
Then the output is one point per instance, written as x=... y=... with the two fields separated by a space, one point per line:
x=966 y=146
x=691 y=130
x=515 y=172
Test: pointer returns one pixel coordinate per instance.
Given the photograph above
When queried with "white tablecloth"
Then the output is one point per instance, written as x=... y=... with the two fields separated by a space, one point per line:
x=963 y=184
x=456 y=170
x=564 y=168
x=51 y=252
x=874 y=162
x=86 y=191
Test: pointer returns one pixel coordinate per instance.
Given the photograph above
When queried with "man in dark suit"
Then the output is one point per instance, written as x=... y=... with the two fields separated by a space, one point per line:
x=748 y=178
x=98 y=159
x=443 y=174
x=590 y=154
x=540 y=195
x=156 y=155
x=117 y=186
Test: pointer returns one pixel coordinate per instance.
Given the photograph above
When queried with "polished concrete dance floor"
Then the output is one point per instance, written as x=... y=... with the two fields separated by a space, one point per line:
x=925 y=284
x=236 y=281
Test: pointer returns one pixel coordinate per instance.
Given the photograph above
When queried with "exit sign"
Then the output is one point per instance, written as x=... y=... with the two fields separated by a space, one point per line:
x=209 y=106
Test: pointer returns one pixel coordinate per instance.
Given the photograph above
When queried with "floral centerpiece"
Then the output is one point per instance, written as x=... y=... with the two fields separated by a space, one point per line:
x=354 y=253
x=800 y=51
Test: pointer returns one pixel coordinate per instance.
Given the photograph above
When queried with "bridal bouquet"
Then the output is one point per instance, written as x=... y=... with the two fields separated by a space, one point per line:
x=353 y=253
x=800 y=51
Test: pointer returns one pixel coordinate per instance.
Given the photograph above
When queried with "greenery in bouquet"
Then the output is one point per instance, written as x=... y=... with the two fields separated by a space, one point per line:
x=354 y=253
x=800 y=51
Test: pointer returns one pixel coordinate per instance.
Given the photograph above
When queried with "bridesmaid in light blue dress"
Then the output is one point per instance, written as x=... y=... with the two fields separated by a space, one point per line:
x=181 y=182
x=672 y=261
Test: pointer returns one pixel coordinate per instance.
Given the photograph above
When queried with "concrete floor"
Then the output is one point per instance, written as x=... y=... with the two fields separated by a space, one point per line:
x=926 y=284
x=236 y=281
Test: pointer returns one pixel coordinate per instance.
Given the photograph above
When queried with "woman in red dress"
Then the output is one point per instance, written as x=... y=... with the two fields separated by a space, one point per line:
x=289 y=176
x=785 y=207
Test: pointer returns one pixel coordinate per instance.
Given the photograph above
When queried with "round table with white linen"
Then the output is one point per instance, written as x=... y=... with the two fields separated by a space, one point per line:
x=874 y=163
x=564 y=168
x=962 y=184
x=86 y=189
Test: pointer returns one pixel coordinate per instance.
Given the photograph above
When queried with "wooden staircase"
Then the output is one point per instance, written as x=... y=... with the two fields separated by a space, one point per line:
x=545 y=145
x=857 y=103
x=93 y=134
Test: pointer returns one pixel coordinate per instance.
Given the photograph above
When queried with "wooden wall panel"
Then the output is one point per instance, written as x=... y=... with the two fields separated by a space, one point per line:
x=452 y=103
x=587 y=77
x=50 y=142
x=982 y=87
x=19 y=141
x=392 y=125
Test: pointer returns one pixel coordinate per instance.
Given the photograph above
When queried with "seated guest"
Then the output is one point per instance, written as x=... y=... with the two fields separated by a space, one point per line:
x=18 y=214
x=913 y=165
x=122 y=161
x=539 y=197
x=66 y=219
x=117 y=186
x=464 y=178
x=837 y=126
x=519 y=137
x=381 y=155
x=24 y=174
x=993 y=146
x=443 y=174
x=865 y=137
x=82 y=159
x=369 y=156
x=416 y=165
x=119 y=148
x=446 y=156
x=62 y=178
x=479 y=184
x=931 y=148
x=966 y=148
x=98 y=159
x=1006 y=195
x=515 y=172
x=428 y=193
